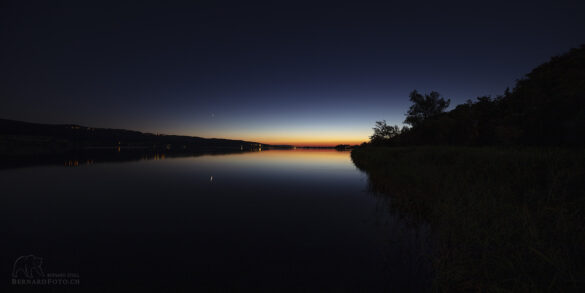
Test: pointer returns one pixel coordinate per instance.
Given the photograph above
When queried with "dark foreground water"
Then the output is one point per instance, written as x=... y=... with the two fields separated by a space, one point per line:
x=273 y=220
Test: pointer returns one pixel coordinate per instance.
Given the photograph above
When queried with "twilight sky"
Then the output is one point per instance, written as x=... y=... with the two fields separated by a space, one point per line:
x=279 y=72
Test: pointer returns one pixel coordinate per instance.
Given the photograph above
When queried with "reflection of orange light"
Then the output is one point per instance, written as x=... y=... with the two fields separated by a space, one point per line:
x=71 y=163
x=156 y=157
x=324 y=157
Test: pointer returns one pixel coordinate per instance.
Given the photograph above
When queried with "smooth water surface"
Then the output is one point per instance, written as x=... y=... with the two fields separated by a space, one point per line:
x=278 y=219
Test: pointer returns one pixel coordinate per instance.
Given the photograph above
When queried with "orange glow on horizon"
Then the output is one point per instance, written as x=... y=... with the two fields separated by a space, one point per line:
x=309 y=139
x=312 y=143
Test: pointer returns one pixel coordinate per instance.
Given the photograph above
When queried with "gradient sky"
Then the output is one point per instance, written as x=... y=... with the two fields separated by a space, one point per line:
x=284 y=72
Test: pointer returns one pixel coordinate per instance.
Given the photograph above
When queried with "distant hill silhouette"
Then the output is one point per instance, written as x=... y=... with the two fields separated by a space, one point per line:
x=18 y=138
x=546 y=108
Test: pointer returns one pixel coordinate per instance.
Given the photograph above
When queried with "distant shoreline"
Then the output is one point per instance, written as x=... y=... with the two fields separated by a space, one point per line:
x=19 y=138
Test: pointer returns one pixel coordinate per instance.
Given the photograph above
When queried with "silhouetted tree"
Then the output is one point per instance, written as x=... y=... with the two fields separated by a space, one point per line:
x=384 y=132
x=424 y=107
x=546 y=107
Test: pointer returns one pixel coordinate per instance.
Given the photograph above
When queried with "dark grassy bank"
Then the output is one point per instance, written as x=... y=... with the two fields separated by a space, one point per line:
x=502 y=219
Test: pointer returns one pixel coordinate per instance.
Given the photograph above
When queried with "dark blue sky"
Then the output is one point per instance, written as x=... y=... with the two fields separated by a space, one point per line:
x=285 y=72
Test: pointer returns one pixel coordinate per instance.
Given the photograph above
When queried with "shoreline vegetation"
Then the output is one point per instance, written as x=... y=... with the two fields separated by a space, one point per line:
x=499 y=181
x=502 y=219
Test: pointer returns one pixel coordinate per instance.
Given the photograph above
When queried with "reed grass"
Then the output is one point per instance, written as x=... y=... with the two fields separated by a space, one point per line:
x=501 y=219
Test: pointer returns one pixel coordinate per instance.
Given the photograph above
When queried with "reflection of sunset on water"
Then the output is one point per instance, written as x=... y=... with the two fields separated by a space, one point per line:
x=293 y=158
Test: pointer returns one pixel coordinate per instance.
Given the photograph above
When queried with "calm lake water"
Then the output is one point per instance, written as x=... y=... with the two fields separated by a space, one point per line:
x=290 y=219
